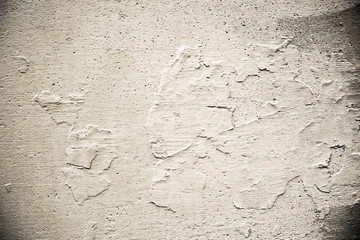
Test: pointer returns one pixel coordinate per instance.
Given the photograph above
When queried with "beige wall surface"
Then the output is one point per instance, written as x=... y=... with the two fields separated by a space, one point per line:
x=154 y=119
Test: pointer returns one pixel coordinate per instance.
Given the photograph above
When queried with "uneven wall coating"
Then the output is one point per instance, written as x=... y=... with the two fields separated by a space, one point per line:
x=179 y=120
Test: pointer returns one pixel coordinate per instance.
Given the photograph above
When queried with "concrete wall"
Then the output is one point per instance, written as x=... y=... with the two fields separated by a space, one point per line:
x=152 y=119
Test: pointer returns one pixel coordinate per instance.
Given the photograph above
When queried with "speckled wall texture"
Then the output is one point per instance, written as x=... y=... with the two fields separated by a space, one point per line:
x=153 y=119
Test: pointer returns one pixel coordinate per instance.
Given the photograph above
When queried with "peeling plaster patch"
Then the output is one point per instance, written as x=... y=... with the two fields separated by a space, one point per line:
x=290 y=152
x=267 y=110
x=91 y=149
x=62 y=110
x=91 y=153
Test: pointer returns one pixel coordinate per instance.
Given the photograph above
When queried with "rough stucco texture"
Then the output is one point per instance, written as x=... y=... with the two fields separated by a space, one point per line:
x=179 y=119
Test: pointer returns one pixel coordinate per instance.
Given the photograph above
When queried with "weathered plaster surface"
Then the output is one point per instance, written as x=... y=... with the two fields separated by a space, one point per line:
x=179 y=120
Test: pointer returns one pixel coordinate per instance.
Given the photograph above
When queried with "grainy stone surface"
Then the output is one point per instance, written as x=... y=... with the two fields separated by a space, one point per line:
x=179 y=119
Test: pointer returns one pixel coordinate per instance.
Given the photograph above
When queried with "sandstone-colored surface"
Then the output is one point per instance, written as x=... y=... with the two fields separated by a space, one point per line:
x=179 y=119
